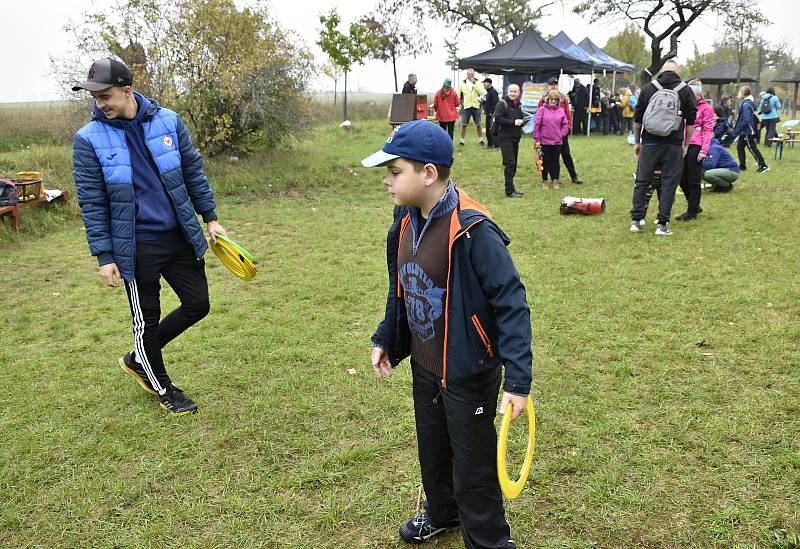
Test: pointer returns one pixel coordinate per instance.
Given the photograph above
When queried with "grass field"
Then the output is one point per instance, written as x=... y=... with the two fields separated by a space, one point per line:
x=646 y=436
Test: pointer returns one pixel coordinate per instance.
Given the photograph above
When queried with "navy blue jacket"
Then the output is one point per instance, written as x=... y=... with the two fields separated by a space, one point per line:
x=154 y=213
x=718 y=157
x=104 y=180
x=746 y=122
x=487 y=318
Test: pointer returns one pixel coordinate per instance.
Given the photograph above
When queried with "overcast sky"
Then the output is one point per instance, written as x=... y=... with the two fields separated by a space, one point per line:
x=33 y=31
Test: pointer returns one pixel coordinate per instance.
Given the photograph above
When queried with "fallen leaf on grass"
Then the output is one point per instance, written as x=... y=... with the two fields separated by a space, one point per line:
x=352 y=371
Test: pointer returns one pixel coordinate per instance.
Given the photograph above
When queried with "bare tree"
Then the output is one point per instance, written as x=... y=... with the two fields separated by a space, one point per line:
x=400 y=31
x=663 y=21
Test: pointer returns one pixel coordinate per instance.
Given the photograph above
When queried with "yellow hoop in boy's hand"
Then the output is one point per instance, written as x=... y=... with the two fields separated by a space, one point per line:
x=513 y=489
x=238 y=260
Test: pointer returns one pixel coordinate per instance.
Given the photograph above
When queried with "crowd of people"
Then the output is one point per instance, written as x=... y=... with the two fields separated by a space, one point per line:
x=688 y=156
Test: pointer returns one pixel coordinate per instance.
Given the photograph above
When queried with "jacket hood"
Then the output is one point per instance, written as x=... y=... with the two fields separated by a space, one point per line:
x=669 y=78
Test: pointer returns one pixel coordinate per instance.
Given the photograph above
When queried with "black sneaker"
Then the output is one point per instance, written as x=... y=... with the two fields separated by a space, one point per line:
x=176 y=402
x=577 y=180
x=420 y=529
x=686 y=217
x=515 y=194
x=763 y=169
x=135 y=370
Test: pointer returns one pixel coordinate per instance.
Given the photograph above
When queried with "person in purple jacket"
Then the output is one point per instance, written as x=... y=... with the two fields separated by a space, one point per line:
x=549 y=129
x=721 y=170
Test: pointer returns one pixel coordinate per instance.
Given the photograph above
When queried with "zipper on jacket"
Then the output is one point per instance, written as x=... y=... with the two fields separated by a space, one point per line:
x=482 y=334
x=447 y=293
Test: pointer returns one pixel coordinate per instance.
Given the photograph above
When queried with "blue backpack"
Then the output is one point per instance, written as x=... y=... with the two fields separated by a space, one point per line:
x=632 y=102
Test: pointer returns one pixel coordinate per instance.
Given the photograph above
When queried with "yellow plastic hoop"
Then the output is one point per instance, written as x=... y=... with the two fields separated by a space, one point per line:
x=510 y=488
x=234 y=257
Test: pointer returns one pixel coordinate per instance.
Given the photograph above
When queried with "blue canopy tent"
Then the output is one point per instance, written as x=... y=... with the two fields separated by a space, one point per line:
x=565 y=44
x=595 y=51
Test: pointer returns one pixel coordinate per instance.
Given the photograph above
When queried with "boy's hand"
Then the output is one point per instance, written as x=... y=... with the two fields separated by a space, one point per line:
x=215 y=227
x=380 y=362
x=518 y=122
x=519 y=403
x=110 y=274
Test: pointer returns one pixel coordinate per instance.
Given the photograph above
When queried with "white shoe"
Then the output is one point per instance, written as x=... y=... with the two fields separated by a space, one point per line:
x=636 y=226
x=663 y=230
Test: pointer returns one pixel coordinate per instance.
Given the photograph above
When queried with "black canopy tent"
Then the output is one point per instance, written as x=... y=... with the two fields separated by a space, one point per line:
x=721 y=73
x=527 y=54
x=791 y=78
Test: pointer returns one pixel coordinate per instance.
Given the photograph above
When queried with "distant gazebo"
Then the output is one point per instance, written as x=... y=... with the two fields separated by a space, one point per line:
x=722 y=73
x=791 y=78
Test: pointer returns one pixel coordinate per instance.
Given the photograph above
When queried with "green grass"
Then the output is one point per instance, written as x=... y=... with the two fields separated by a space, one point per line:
x=644 y=438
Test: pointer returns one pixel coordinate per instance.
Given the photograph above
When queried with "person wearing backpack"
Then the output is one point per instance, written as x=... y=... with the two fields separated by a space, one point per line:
x=508 y=119
x=745 y=130
x=770 y=115
x=664 y=123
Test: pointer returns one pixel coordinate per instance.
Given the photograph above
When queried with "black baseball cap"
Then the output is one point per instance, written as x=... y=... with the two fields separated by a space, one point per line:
x=104 y=74
x=487 y=80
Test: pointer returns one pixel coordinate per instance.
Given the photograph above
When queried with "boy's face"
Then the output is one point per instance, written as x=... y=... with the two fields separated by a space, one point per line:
x=112 y=101
x=406 y=186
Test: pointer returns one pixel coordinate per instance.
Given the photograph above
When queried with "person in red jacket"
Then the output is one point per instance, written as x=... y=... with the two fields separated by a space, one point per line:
x=549 y=130
x=566 y=155
x=445 y=104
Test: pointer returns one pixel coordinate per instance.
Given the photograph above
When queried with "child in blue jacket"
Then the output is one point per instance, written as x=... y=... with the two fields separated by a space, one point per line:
x=457 y=307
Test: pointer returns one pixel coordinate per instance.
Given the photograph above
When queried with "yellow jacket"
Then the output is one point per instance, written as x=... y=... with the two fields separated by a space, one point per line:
x=627 y=111
x=470 y=99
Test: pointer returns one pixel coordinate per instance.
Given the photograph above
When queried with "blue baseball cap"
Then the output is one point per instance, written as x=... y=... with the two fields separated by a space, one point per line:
x=419 y=140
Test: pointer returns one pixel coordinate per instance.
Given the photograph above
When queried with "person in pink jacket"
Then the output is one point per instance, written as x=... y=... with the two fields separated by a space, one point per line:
x=549 y=129
x=696 y=153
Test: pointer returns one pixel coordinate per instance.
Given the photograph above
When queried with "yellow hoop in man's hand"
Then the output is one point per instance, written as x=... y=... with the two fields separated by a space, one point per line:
x=238 y=260
x=513 y=489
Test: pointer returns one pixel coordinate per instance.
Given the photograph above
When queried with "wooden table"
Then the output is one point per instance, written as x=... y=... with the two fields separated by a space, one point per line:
x=12 y=212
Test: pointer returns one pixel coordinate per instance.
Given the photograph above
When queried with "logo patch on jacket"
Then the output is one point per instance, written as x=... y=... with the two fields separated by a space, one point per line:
x=423 y=300
x=167 y=141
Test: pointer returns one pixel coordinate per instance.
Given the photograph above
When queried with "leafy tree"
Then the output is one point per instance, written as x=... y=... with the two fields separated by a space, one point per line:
x=742 y=32
x=628 y=46
x=238 y=80
x=502 y=19
x=345 y=50
x=661 y=20
x=332 y=71
x=399 y=31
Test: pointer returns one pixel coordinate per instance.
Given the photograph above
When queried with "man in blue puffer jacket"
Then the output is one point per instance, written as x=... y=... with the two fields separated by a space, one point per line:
x=140 y=185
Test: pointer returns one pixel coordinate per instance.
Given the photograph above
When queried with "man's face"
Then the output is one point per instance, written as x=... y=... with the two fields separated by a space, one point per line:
x=406 y=186
x=513 y=92
x=471 y=74
x=112 y=101
x=577 y=82
x=413 y=80
x=487 y=85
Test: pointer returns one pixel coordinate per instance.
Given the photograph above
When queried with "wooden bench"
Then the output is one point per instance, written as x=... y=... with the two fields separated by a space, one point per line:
x=12 y=212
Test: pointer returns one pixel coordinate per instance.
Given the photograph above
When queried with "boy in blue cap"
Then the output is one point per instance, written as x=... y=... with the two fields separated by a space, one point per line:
x=457 y=307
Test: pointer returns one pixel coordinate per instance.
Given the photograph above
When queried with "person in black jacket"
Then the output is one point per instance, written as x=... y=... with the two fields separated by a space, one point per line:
x=509 y=115
x=457 y=307
x=489 y=105
x=579 y=97
x=411 y=85
x=667 y=151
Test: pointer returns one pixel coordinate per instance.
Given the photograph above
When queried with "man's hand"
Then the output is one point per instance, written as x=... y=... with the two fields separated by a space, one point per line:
x=637 y=150
x=380 y=362
x=685 y=150
x=519 y=403
x=519 y=122
x=215 y=227
x=110 y=274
